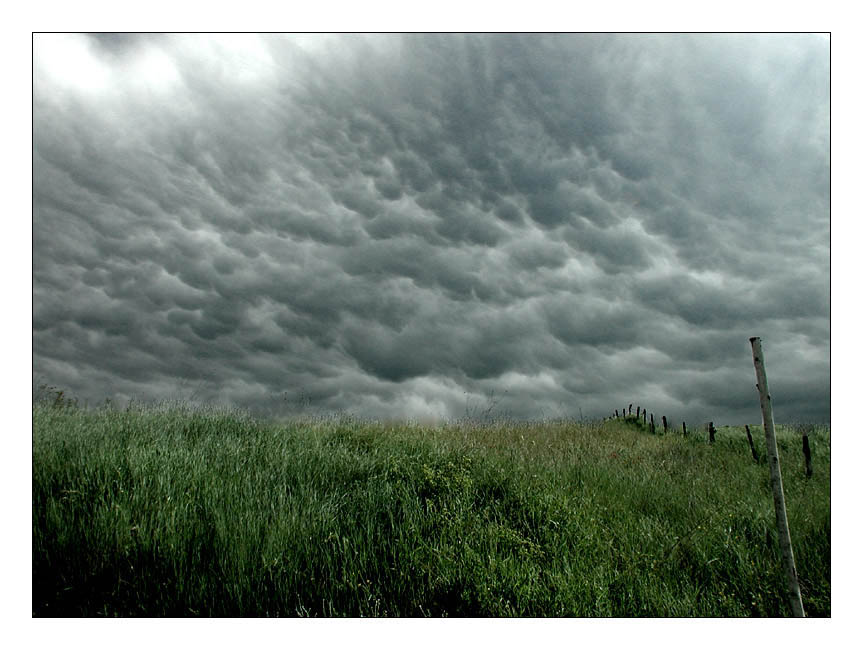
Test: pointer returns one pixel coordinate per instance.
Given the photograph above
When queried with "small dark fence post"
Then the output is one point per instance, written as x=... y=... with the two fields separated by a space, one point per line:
x=807 y=455
x=615 y=413
x=652 y=426
x=664 y=425
x=684 y=429
x=644 y=415
x=638 y=413
x=630 y=409
x=751 y=444
x=712 y=433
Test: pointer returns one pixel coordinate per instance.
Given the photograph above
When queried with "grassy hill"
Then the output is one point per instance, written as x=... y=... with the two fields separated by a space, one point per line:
x=177 y=511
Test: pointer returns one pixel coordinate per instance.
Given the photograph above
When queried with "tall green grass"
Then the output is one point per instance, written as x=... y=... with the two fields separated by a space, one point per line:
x=175 y=511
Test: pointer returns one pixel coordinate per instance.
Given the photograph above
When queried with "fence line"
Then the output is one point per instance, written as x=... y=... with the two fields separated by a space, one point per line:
x=772 y=457
x=709 y=428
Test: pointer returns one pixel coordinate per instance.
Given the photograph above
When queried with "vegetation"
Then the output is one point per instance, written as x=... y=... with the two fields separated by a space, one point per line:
x=181 y=511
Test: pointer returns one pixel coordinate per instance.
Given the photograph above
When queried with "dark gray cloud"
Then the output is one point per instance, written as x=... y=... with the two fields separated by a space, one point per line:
x=405 y=226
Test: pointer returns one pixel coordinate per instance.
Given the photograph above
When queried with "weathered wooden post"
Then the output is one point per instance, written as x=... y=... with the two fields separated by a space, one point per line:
x=615 y=413
x=638 y=413
x=644 y=415
x=711 y=432
x=684 y=429
x=630 y=409
x=776 y=478
x=751 y=445
x=664 y=425
x=652 y=427
x=807 y=455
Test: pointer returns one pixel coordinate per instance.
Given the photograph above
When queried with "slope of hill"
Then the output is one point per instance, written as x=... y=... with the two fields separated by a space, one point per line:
x=178 y=511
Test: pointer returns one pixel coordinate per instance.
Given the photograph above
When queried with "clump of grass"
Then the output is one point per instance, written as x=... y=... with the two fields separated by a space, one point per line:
x=178 y=511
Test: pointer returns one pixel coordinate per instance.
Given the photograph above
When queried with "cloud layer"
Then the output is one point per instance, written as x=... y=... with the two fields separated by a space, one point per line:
x=425 y=226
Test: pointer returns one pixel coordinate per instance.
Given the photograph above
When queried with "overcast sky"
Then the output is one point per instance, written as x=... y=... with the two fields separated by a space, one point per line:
x=429 y=226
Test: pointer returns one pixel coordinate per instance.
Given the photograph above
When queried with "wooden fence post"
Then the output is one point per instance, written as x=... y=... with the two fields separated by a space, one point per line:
x=711 y=432
x=807 y=455
x=652 y=427
x=644 y=415
x=776 y=478
x=664 y=425
x=630 y=409
x=751 y=444
x=638 y=413
x=684 y=429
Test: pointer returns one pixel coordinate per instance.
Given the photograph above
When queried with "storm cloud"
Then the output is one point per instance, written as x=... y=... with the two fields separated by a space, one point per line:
x=429 y=226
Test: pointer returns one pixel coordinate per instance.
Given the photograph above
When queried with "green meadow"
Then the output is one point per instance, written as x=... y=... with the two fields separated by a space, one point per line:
x=176 y=510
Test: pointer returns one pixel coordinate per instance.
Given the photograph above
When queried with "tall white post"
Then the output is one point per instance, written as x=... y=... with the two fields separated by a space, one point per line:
x=776 y=479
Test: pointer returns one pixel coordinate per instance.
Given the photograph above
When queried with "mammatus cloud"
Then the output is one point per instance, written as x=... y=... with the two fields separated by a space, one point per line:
x=403 y=226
